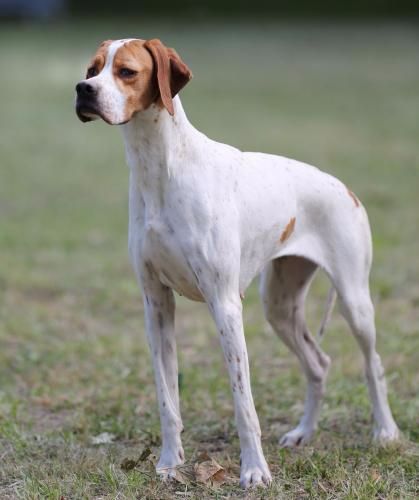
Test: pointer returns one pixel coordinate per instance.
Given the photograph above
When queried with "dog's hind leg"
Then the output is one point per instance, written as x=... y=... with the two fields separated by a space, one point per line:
x=284 y=285
x=358 y=310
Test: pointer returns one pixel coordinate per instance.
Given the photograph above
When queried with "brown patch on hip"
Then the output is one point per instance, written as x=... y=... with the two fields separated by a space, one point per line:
x=353 y=196
x=288 y=230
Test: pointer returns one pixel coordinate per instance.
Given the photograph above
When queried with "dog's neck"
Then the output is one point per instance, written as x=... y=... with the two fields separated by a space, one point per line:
x=155 y=141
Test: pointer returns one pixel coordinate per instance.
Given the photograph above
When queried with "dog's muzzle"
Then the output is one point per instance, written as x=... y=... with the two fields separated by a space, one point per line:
x=86 y=103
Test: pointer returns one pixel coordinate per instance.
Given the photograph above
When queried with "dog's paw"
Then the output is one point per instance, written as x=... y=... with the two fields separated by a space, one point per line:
x=169 y=460
x=255 y=472
x=386 y=435
x=297 y=437
x=166 y=473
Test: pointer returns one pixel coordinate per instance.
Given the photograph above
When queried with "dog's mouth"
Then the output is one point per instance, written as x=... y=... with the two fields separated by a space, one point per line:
x=87 y=112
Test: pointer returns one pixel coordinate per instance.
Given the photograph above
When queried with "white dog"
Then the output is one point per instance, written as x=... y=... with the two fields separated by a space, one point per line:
x=205 y=219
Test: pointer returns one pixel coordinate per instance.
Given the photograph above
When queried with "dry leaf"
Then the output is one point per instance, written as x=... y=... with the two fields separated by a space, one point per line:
x=129 y=464
x=219 y=478
x=208 y=471
x=144 y=455
x=203 y=457
x=181 y=477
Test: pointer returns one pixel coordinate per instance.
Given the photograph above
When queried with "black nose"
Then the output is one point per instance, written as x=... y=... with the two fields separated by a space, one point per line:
x=84 y=89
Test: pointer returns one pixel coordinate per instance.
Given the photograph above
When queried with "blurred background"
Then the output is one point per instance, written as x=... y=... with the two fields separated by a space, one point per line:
x=234 y=8
x=334 y=84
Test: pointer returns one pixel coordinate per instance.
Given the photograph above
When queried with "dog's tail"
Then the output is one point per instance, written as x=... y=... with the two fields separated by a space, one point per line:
x=331 y=300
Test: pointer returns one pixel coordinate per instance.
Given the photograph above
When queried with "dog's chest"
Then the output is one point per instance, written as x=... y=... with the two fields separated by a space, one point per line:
x=165 y=248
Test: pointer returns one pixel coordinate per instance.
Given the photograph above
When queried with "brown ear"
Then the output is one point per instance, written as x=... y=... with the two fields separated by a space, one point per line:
x=172 y=72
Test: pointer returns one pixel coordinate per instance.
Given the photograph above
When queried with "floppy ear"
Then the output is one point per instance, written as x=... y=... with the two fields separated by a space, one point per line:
x=172 y=72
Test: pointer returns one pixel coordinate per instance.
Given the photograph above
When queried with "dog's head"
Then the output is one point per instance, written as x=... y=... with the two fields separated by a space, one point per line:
x=126 y=77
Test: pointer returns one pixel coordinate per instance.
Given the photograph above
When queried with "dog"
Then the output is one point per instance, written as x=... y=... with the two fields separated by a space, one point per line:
x=205 y=219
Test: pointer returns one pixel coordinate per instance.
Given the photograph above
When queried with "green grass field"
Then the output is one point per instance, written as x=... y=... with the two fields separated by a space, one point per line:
x=74 y=362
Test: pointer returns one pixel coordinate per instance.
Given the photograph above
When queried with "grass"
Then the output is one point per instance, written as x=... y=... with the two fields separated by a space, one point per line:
x=73 y=358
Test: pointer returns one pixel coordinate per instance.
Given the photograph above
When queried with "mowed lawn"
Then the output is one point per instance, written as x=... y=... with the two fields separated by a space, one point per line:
x=74 y=363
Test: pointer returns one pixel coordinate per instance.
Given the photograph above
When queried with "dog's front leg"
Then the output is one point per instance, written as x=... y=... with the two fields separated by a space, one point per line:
x=159 y=308
x=227 y=314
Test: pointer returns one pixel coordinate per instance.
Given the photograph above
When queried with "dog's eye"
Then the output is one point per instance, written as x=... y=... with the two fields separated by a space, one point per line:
x=126 y=72
x=91 y=72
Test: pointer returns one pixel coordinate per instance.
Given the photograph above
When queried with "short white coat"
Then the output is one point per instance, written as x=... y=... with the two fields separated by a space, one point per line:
x=204 y=220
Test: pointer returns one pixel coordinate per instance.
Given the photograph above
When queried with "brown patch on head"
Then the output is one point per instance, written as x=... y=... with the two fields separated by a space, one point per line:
x=288 y=230
x=133 y=72
x=353 y=196
x=147 y=72
x=98 y=60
